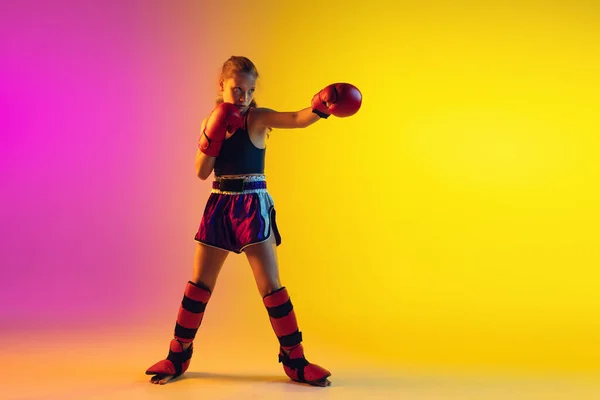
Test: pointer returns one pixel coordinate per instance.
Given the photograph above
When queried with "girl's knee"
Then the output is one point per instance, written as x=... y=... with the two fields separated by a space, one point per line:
x=198 y=282
x=270 y=287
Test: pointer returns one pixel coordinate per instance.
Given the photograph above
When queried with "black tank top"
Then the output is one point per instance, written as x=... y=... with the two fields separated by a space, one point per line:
x=239 y=156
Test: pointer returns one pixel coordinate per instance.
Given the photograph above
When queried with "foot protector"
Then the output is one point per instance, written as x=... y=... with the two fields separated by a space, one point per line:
x=176 y=363
x=299 y=369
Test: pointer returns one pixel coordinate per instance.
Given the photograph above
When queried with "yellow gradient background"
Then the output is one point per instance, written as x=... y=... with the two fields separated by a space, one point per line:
x=454 y=220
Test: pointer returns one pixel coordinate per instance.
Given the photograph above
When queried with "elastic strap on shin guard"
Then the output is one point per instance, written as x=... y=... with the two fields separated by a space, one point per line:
x=179 y=358
x=297 y=364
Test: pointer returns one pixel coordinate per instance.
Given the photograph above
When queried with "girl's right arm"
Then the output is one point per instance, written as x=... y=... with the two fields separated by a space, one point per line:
x=204 y=163
x=224 y=118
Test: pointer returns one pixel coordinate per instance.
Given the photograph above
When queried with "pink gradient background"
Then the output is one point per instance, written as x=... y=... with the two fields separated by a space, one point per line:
x=100 y=107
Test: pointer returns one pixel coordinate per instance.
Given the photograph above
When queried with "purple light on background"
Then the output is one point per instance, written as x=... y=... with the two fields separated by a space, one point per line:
x=91 y=98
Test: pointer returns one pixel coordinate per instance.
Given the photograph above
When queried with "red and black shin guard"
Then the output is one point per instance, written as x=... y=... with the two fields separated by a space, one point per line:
x=291 y=352
x=189 y=318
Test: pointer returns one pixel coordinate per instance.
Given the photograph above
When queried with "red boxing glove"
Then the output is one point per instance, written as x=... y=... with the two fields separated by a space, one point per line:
x=224 y=118
x=339 y=99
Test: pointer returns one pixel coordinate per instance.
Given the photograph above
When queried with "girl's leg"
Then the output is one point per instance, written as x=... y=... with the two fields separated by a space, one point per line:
x=263 y=261
x=207 y=265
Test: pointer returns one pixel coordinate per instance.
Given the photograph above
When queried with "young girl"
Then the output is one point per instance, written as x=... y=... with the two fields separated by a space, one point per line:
x=240 y=215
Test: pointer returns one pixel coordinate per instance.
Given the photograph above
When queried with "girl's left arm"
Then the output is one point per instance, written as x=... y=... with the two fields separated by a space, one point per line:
x=268 y=118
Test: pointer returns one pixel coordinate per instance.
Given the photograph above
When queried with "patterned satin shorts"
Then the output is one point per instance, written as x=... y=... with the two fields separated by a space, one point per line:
x=239 y=212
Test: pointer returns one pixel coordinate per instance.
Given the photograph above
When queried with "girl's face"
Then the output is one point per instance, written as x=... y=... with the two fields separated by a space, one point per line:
x=239 y=90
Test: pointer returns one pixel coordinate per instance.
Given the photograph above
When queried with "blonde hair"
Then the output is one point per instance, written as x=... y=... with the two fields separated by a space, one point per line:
x=235 y=65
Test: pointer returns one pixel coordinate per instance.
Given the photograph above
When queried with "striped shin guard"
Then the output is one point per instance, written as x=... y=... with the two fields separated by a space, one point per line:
x=189 y=318
x=191 y=312
x=291 y=353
